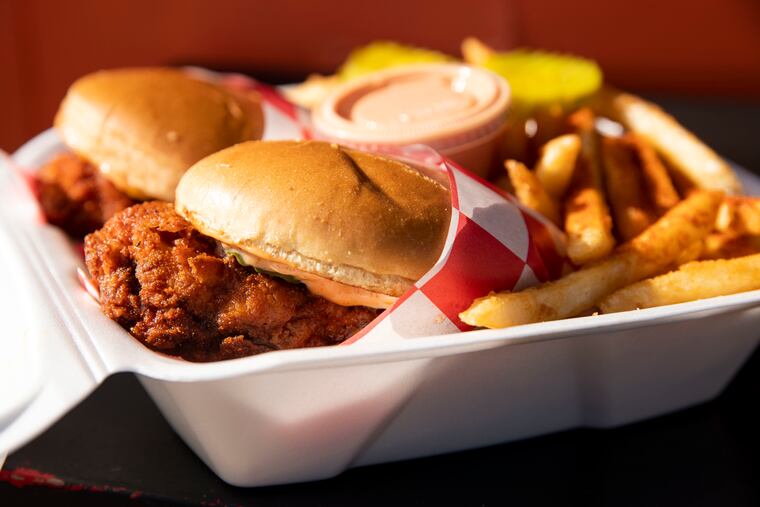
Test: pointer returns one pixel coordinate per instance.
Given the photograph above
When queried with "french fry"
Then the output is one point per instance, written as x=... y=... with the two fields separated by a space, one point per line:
x=681 y=149
x=556 y=163
x=662 y=192
x=739 y=214
x=729 y=244
x=726 y=218
x=312 y=91
x=695 y=280
x=530 y=192
x=748 y=215
x=587 y=219
x=474 y=51
x=692 y=253
x=624 y=182
x=648 y=254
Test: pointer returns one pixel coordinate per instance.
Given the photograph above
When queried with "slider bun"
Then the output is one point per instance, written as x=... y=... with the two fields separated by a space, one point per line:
x=144 y=128
x=352 y=217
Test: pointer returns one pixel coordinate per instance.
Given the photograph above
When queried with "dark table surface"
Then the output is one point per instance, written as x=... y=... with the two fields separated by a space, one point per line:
x=116 y=449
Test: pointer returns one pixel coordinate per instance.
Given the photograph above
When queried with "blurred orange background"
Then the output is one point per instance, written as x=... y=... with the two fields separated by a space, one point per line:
x=705 y=47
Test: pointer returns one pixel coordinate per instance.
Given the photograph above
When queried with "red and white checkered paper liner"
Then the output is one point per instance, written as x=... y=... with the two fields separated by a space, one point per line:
x=493 y=244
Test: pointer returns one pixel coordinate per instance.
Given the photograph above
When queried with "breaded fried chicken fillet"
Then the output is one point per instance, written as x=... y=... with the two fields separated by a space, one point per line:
x=76 y=197
x=175 y=291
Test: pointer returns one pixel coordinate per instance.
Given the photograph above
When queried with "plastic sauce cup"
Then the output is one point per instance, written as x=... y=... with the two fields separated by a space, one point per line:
x=458 y=110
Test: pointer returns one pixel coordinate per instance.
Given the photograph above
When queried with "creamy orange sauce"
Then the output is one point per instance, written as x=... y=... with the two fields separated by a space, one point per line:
x=406 y=101
x=338 y=293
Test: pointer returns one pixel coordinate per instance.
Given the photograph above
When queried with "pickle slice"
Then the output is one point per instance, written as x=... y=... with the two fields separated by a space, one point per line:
x=384 y=54
x=540 y=79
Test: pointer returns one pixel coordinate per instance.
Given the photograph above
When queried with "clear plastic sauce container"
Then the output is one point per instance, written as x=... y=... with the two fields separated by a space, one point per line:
x=456 y=109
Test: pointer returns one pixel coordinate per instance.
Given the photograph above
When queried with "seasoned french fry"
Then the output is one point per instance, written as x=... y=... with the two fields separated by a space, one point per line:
x=649 y=253
x=695 y=280
x=624 y=182
x=587 y=219
x=683 y=151
x=662 y=192
x=692 y=253
x=748 y=214
x=729 y=244
x=726 y=218
x=556 y=163
x=530 y=192
x=312 y=91
x=474 y=51
x=739 y=214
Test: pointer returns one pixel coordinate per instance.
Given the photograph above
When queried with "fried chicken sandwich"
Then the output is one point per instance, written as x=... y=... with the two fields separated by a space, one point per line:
x=269 y=245
x=132 y=134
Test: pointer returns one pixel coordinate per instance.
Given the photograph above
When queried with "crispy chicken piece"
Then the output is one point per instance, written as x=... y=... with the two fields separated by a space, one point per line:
x=76 y=197
x=171 y=288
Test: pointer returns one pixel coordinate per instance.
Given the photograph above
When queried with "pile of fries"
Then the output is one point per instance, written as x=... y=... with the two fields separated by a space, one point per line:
x=652 y=215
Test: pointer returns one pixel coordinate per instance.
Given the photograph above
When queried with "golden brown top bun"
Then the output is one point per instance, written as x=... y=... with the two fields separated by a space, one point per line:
x=145 y=127
x=351 y=217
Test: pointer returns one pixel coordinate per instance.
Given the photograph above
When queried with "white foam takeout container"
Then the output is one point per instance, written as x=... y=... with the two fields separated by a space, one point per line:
x=306 y=414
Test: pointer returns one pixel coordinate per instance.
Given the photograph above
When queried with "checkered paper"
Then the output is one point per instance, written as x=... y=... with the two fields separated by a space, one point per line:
x=493 y=244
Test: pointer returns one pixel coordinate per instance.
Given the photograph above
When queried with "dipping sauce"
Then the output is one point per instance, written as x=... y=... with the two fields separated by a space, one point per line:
x=456 y=109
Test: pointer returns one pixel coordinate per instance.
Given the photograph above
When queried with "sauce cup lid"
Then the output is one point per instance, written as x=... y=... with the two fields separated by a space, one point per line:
x=437 y=104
